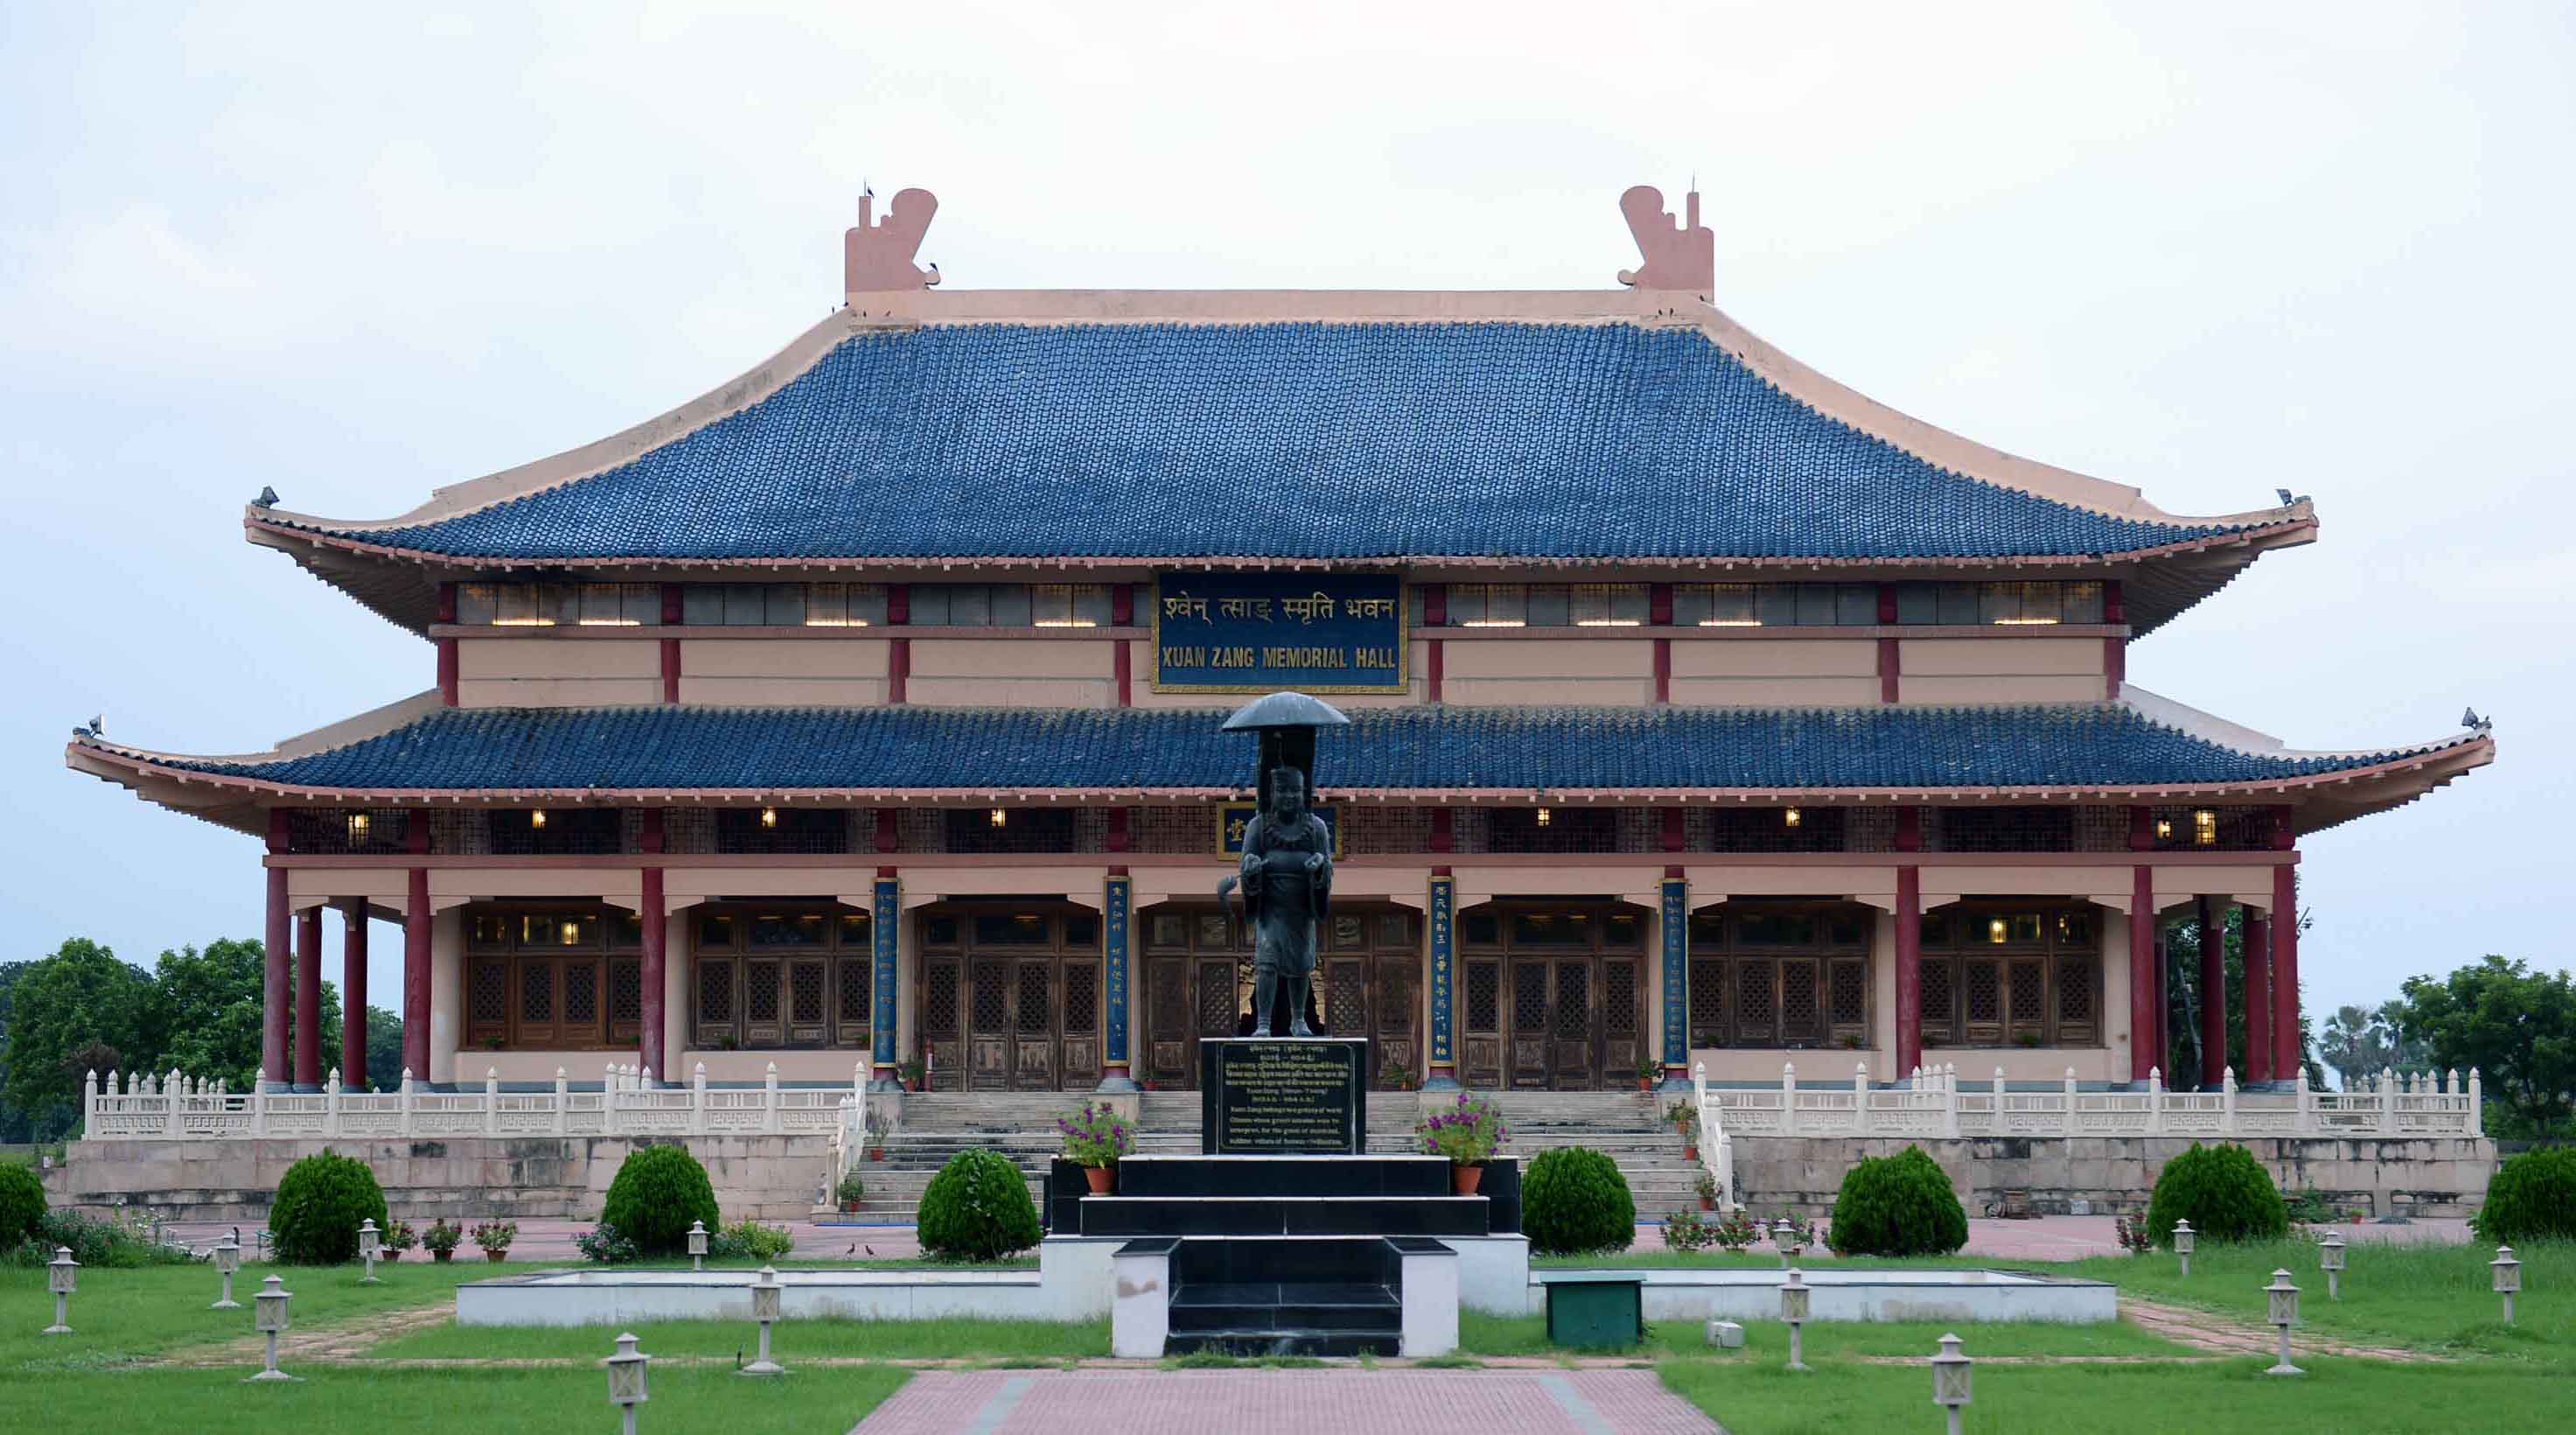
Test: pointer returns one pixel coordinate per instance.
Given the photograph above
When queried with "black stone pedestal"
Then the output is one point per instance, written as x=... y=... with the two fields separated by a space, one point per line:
x=1283 y=1096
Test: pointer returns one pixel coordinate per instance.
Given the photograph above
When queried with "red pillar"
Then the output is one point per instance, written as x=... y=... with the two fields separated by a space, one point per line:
x=447 y=670
x=273 y=984
x=353 y=995
x=2285 y=972
x=416 y=969
x=1909 y=970
x=2146 y=1048
x=649 y=913
x=1435 y=614
x=2213 y=989
x=308 y=997
x=2259 y=1025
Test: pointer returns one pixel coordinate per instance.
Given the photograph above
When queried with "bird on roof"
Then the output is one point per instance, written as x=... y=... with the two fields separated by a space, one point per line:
x=2469 y=718
x=98 y=724
x=2286 y=500
x=933 y=280
x=267 y=497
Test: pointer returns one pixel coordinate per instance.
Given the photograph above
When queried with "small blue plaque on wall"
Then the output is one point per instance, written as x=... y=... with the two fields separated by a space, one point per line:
x=1258 y=632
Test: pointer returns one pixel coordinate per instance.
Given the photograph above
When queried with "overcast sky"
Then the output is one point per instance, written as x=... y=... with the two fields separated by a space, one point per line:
x=357 y=251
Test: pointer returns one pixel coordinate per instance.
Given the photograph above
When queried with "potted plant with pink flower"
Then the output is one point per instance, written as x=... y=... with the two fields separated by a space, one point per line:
x=1468 y=1132
x=1095 y=1138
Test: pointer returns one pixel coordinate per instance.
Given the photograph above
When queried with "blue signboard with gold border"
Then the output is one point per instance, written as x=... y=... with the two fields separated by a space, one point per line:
x=1259 y=632
x=1233 y=817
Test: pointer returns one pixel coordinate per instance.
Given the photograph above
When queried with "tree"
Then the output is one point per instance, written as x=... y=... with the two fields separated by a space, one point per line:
x=2515 y=1026
x=63 y=1007
x=385 y=1050
x=207 y=1006
x=2361 y=1042
x=14 y=1127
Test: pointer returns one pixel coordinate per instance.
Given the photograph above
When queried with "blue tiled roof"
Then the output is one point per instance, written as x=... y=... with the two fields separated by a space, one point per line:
x=784 y=749
x=1286 y=440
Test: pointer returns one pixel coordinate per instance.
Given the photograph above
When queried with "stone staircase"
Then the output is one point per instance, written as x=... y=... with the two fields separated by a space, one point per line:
x=1625 y=1126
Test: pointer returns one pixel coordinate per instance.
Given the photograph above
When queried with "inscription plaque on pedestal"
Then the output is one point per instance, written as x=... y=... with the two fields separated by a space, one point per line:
x=1283 y=1096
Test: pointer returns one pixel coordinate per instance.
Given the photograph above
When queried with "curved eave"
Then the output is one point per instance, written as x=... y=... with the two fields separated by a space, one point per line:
x=2317 y=801
x=401 y=584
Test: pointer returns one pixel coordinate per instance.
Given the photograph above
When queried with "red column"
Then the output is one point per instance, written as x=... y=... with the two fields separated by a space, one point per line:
x=2259 y=1025
x=1887 y=661
x=308 y=997
x=650 y=1053
x=280 y=945
x=2213 y=989
x=2285 y=972
x=416 y=970
x=1122 y=614
x=898 y=650
x=1909 y=970
x=674 y=609
x=1435 y=614
x=353 y=995
x=2146 y=1048
x=447 y=646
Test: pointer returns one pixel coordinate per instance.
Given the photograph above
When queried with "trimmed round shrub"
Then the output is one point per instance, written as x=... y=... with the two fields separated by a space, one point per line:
x=1900 y=1205
x=2223 y=1191
x=1573 y=1200
x=2533 y=1197
x=977 y=1209
x=655 y=1194
x=22 y=1203
x=319 y=1205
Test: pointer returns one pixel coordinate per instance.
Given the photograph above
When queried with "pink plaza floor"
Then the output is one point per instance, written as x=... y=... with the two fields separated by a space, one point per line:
x=1285 y=1402
x=2049 y=1238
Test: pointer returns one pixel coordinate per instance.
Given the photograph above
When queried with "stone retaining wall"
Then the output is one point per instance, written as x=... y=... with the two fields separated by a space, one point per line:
x=773 y=1178
x=2382 y=1175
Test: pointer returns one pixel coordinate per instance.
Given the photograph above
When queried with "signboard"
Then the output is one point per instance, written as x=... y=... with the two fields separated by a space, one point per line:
x=1444 y=905
x=1259 y=632
x=1271 y=1097
x=1233 y=817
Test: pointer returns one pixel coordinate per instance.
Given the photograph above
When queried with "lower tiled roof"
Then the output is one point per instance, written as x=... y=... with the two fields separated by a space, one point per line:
x=1562 y=749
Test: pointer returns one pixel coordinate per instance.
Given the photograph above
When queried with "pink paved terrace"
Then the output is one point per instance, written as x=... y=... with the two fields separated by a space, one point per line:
x=1288 y=1402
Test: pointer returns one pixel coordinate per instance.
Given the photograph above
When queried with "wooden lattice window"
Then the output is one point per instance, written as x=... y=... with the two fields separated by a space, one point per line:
x=1797 y=974
x=535 y=975
x=2023 y=975
x=1484 y=996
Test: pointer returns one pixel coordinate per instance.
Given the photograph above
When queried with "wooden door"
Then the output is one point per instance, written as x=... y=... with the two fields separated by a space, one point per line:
x=988 y=1035
x=1033 y=1012
x=1574 y=1033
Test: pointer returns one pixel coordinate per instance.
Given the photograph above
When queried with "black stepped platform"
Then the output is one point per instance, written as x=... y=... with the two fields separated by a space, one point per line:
x=1284 y=1215
x=1297 y=1195
x=1336 y=1296
x=1158 y=1175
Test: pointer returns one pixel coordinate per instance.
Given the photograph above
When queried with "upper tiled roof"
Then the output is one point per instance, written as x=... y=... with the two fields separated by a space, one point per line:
x=1298 y=440
x=1559 y=749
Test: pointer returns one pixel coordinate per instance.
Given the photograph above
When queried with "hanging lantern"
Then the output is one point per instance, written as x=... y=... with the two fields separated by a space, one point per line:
x=769 y=817
x=2204 y=828
x=1789 y=818
x=536 y=817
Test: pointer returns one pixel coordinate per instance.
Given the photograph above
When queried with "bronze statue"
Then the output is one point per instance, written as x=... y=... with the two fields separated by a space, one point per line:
x=1287 y=886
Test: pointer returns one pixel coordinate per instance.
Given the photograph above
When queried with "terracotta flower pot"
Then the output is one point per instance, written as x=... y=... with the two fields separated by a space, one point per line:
x=1102 y=1178
x=1708 y=1203
x=442 y=1257
x=1646 y=1084
x=1690 y=1151
x=502 y=1254
x=876 y=1153
x=1463 y=1178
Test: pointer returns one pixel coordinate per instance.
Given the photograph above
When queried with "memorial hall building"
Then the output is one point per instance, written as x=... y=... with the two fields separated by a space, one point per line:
x=866 y=711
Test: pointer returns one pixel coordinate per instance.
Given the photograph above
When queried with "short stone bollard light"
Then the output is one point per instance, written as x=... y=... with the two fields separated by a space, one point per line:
x=1794 y=1296
x=2283 y=1298
x=227 y=1262
x=697 y=1245
x=2508 y=1278
x=1780 y=1240
x=2330 y=1260
x=371 y=1245
x=2182 y=1245
x=764 y=1308
x=271 y=1321
x=62 y=1277
x=1951 y=1372
x=626 y=1379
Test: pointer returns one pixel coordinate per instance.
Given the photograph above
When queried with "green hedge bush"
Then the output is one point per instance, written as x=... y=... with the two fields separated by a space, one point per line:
x=22 y=1202
x=2532 y=1197
x=2223 y=1191
x=1900 y=1205
x=319 y=1204
x=977 y=1209
x=1573 y=1200
x=655 y=1194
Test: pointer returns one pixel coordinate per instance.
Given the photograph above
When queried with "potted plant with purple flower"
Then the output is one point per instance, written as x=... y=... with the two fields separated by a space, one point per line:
x=1468 y=1132
x=1095 y=1138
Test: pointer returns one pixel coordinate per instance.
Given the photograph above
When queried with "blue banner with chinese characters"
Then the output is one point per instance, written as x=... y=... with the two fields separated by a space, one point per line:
x=885 y=922
x=1115 y=894
x=1676 y=933
x=1444 y=907
x=1258 y=632
x=1233 y=817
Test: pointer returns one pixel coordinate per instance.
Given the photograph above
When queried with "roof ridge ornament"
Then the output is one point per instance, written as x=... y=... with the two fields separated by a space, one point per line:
x=876 y=257
x=1678 y=255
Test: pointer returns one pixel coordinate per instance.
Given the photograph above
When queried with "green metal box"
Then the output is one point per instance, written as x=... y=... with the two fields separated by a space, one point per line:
x=1603 y=1314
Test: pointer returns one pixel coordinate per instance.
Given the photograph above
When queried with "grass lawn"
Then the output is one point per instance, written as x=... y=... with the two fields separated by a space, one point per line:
x=1769 y=1340
x=866 y=1339
x=121 y=1315
x=2429 y=1297
x=2348 y=1397
x=216 y=1402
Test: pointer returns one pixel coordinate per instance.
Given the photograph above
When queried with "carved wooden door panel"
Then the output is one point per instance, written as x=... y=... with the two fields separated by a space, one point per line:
x=941 y=1000
x=1033 y=1019
x=1622 y=1028
x=763 y=1002
x=988 y=1012
x=1529 y=1029
x=1217 y=1009
x=1391 y=1008
x=1481 y=1018
x=1573 y=1028
x=1078 y=1060
x=1168 y=1027
x=808 y=981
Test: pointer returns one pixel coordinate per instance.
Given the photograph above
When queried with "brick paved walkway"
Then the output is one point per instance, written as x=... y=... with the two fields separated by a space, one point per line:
x=1286 y=1402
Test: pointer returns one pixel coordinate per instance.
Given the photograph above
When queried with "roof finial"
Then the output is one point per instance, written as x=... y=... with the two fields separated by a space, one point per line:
x=1677 y=256
x=876 y=257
